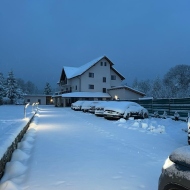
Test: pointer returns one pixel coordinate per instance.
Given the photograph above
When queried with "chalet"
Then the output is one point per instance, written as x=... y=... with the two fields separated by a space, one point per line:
x=95 y=80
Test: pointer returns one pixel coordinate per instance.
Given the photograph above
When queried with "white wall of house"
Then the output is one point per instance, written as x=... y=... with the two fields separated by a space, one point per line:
x=75 y=84
x=117 y=81
x=100 y=70
x=123 y=94
x=34 y=99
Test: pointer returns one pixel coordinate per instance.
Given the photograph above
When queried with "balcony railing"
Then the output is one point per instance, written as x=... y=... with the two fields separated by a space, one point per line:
x=63 y=92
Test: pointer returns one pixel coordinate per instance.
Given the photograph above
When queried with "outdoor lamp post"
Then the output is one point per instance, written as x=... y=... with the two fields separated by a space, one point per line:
x=25 y=109
x=33 y=107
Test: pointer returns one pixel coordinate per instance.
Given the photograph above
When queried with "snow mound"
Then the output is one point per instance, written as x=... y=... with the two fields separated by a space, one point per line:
x=8 y=185
x=19 y=155
x=24 y=145
x=28 y=138
x=121 y=120
x=13 y=169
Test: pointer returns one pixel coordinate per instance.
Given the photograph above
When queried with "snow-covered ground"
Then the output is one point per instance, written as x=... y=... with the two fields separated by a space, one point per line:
x=12 y=121
x=72 y=150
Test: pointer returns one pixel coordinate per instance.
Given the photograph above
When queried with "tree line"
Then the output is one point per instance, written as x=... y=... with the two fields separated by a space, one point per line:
x=12 y=90
x=174 y=84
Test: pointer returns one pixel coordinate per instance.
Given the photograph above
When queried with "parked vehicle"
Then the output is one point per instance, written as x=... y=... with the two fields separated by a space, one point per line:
x=117 y=109
x=136 y=111
x=99 y=109
x=77 y=105
x=188 y=129
x=86 y=106
x=93 y=107
x=176 y=171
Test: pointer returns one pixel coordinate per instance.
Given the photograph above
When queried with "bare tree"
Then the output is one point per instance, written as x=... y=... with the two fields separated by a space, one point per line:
x=177 y=81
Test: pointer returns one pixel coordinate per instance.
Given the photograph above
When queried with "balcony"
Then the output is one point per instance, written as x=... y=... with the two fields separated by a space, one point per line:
x=63 y=92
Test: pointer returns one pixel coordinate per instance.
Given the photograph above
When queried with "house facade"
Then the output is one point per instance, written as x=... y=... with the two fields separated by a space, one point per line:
x=125 y=93
x=91 y=81
x=37 y=98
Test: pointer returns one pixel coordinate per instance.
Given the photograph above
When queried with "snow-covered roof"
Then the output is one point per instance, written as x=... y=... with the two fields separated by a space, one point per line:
x=72 y=72
x=86 y=95
x=128 y=88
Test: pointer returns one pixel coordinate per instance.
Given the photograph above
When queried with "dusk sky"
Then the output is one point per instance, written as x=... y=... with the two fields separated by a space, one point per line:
x=143 y=38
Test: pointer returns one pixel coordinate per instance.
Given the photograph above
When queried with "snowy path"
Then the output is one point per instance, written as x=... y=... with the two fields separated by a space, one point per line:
x=79 y=151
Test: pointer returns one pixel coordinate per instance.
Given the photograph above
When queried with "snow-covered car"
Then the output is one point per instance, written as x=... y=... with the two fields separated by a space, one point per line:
x=77 y=105
x=86 y=106
x=176 y=171
x=116 y=109
x=93 y=106
x=188 y=129
x=135 y=110
x=99 y=109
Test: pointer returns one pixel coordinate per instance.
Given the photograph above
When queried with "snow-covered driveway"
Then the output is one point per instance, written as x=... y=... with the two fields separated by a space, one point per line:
x=73 y=150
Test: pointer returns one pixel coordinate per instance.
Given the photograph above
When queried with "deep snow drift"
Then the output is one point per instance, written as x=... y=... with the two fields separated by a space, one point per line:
x=72 y=150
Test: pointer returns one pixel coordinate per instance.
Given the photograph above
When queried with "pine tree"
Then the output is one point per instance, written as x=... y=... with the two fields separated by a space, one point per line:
x=11 y=89
x=2 y=88
x=47 y=89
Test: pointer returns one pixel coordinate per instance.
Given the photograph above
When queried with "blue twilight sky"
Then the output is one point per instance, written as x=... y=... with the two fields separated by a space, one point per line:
x=143 y=38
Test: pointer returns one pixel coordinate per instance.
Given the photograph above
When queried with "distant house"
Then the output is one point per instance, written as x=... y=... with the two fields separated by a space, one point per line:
x=92 y=81
x=125 y=93
x=41 y=99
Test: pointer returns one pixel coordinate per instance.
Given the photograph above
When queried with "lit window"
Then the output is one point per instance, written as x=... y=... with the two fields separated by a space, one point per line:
x=113 y=77
x=91 y=75
x=91 y=86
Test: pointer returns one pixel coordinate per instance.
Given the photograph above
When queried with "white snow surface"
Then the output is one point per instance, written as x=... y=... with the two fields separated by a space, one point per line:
x=72 y=150
x=12 y=121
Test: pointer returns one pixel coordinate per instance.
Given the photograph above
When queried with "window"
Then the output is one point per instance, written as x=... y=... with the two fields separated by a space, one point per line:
x=101 y=63
x=113 y=77
x=28 y=100
x=104 y=63
x=91 y=75
x=104 y=90
x=76 y=87
x=104 y=79
x=91 y=86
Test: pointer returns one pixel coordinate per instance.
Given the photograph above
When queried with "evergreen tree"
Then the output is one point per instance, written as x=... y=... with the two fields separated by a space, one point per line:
x=2 y=88
x=47 y=89
x=30 y=88
x=11 y=88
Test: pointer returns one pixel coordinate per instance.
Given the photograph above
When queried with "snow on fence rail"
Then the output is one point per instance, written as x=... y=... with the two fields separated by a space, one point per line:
x=6 y=151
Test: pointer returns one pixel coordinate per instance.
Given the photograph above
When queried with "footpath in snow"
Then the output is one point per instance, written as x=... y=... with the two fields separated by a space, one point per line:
x=70 y=150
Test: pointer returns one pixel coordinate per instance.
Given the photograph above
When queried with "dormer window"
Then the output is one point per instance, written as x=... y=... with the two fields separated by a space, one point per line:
x=91 y=75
